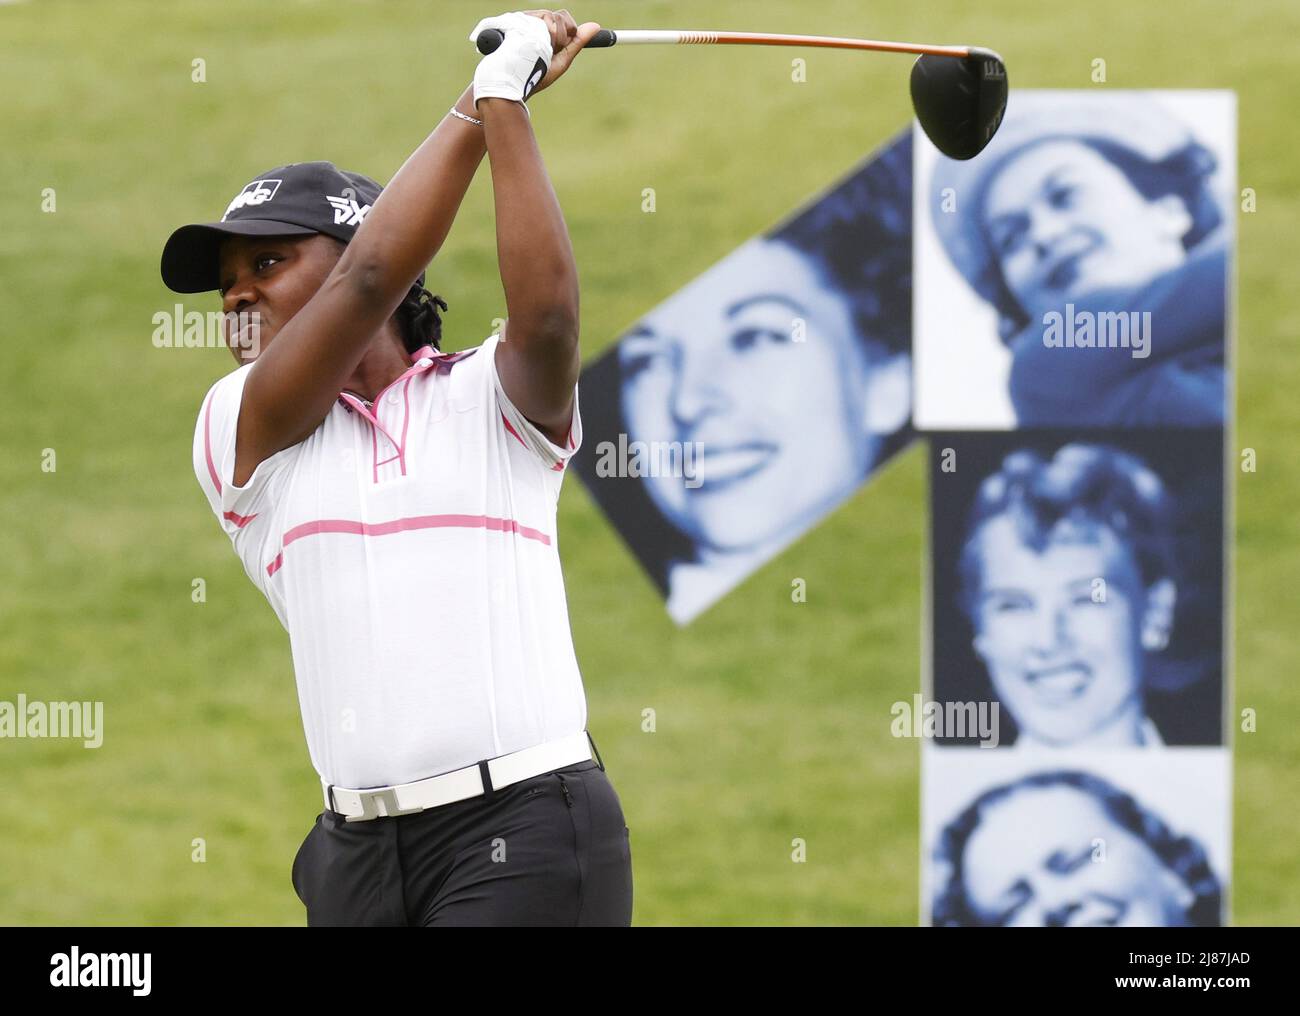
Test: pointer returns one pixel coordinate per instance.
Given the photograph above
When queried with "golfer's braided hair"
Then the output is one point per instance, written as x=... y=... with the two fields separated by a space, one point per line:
x=1182 y=855
x=417 y=317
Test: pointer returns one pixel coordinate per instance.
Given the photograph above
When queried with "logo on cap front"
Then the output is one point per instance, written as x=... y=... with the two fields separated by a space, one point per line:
x=346 y=210
x=256 y=193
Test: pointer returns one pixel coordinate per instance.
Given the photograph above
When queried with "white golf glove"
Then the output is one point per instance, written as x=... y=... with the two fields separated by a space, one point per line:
x=518 y=65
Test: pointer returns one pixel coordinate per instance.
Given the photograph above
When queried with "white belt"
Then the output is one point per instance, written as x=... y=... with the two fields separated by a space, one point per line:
x=459 y=784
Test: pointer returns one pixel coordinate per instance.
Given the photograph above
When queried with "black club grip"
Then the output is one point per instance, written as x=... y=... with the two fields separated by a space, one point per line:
x=490 y=38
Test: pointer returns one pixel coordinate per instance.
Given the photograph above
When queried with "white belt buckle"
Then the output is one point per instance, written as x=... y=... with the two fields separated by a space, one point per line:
x=404 y=798
x=380 y=803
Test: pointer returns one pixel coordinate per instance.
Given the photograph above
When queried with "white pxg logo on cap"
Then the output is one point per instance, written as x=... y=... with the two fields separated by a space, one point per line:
x=346 y=210
x=256 y=193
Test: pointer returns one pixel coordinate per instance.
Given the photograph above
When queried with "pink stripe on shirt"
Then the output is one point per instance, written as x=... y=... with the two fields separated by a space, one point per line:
x=207 y=446
x=415 y=522
x=239 y=520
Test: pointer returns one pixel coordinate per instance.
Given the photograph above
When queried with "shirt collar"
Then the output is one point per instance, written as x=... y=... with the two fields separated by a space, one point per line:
x=425 y=352
x=421 y=360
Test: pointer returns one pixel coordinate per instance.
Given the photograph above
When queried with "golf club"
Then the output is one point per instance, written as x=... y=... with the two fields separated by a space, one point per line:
x=959 y=92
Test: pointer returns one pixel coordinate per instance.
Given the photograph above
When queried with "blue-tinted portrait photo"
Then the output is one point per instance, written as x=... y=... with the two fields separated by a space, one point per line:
x=1070 y=848
x=757 y=398
x=1076 y=272
x=1078 y=585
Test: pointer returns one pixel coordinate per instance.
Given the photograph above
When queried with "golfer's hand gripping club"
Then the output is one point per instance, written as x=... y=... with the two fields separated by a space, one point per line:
x=490 y=38
x=516 y=65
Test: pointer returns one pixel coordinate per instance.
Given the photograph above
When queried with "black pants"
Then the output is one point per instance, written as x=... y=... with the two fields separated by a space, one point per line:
x=550 y=850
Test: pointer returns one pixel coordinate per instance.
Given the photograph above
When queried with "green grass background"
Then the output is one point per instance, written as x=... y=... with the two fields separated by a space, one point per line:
x=772 y=717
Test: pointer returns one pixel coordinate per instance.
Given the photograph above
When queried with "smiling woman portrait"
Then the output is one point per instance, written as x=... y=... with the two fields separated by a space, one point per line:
x=1104 y=208
x=1075 y=586
x=1065 y=848
x=784 y=370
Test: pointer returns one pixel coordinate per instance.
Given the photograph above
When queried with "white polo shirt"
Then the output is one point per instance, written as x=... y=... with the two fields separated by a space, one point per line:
x=410 y=551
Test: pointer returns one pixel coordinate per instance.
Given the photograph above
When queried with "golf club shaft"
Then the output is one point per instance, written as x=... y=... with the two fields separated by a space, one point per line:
x=490 y=38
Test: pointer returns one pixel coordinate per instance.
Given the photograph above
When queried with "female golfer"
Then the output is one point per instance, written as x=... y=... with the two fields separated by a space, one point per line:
x=397 y=507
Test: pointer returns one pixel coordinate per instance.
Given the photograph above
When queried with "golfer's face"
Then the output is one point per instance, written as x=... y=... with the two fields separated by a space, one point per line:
x=758 y=362
x=1062 y=648
x=1052 y=857
x=271 y=278
x=1064 y=222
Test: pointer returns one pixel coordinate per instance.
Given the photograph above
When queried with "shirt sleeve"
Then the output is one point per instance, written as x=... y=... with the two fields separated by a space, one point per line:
x=528 y=433
x=214 y=457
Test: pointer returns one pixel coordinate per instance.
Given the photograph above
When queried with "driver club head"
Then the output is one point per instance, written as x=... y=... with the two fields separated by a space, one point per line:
x=959 y=101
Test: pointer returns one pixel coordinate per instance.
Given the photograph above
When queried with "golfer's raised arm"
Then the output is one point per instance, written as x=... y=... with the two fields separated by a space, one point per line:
x=538 y=359
x=297 y=378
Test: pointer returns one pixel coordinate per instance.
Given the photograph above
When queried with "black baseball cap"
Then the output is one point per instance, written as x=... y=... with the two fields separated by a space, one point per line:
x=294 y=200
